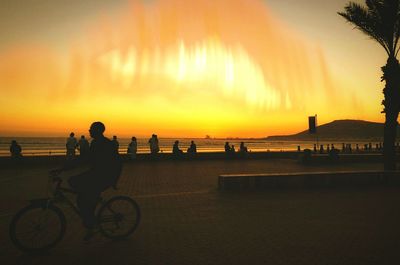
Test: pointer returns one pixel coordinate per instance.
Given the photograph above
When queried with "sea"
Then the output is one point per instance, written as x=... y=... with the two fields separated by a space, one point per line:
x=48 y=146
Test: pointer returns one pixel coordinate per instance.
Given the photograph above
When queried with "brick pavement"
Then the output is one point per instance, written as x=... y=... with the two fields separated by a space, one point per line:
x=187 y=221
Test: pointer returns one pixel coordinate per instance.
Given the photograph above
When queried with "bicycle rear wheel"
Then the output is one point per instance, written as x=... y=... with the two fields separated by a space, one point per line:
x=119 y=217
x=37 y=228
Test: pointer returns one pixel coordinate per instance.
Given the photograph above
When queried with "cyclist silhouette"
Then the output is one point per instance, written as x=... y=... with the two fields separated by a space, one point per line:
x=105 y=169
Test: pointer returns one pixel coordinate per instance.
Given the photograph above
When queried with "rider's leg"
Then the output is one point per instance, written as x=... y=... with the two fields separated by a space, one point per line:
x=88 y=195
x=86 y=203
x=87 y=206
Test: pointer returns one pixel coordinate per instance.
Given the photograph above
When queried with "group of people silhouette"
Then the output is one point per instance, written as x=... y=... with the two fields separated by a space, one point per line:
x=155 y=147
x=72 y=144
x=177 y=152
x=230 y=149
x=349 y=148
x=82 y=145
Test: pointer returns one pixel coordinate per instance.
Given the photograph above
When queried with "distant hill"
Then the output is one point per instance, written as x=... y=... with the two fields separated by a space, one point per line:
x=340 y=129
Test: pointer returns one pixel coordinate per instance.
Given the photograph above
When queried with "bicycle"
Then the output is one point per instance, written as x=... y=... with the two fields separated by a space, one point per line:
x=41 y=225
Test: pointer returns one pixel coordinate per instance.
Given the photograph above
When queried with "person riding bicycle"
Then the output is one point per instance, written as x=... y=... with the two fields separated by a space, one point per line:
x=105 y=169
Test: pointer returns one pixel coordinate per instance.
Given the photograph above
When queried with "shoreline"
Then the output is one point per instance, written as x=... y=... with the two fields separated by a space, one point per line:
x=55 y=146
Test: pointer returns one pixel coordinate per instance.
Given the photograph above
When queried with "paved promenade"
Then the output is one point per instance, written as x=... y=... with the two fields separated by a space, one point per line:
x=185 y=220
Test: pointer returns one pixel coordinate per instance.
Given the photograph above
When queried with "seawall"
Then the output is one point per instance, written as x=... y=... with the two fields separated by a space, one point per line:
x=315 y=158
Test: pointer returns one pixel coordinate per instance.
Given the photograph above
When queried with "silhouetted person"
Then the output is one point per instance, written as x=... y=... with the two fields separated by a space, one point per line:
x=333 y=154
x=15 y=150
x=242 y=152
x=315 y=148
x=306 y=157
x=154 y=147
x=105 y=169
x=71 y=145
x=175 y=149
x=328 y=148
x=116 y=143
x=132 y=148
x=192 y=148
x=83 y=146
x=321 y=149
x=227 y=148
x=242 y=148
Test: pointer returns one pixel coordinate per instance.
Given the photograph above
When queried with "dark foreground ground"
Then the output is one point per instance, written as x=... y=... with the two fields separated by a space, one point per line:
x=185 y=220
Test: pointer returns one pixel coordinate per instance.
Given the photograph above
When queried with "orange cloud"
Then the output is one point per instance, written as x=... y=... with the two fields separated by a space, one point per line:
x=227 y=67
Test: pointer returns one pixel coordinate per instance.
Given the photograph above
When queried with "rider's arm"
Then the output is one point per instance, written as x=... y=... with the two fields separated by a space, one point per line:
x=71 y=164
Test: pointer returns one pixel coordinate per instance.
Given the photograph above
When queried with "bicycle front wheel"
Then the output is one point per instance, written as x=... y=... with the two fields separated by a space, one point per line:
x=119 y=217
x=37 y=228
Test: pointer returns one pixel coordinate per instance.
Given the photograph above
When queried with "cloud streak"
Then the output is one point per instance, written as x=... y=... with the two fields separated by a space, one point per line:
x=170 y=56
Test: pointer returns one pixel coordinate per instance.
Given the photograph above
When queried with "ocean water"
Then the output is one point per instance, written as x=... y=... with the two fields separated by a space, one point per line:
x=37 y=146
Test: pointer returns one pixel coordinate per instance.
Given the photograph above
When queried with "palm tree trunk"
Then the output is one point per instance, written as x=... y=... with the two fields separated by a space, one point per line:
x=391 y=74
x=390 y=132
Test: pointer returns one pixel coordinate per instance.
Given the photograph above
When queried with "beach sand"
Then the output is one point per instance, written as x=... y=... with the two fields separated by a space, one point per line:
x=186 y=220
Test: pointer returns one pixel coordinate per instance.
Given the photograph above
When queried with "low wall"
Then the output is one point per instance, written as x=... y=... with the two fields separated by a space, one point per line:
x=315 y=158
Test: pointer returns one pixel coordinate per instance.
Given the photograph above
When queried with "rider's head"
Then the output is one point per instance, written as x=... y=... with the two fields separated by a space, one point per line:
x=97 y=129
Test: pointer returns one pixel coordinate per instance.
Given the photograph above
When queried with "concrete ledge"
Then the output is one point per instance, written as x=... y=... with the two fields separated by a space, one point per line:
x=306 y=180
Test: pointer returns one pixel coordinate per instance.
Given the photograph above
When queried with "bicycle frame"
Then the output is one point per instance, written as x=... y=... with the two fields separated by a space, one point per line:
x=58 y=195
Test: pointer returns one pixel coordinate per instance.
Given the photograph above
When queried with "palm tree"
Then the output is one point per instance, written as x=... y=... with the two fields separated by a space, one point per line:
x=380 y=20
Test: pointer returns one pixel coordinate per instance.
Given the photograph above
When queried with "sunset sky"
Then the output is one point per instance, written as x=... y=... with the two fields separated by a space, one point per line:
x=183 y=68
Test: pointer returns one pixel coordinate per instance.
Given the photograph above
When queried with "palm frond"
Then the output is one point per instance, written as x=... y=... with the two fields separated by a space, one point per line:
x=397 y=29
x=366 y=21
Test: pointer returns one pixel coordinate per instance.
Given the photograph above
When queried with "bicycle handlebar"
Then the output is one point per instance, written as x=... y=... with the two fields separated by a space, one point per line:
x=55 y=172
x=53 y=176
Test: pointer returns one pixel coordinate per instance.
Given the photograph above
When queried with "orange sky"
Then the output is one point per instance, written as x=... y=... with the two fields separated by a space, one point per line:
x=224 y=68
